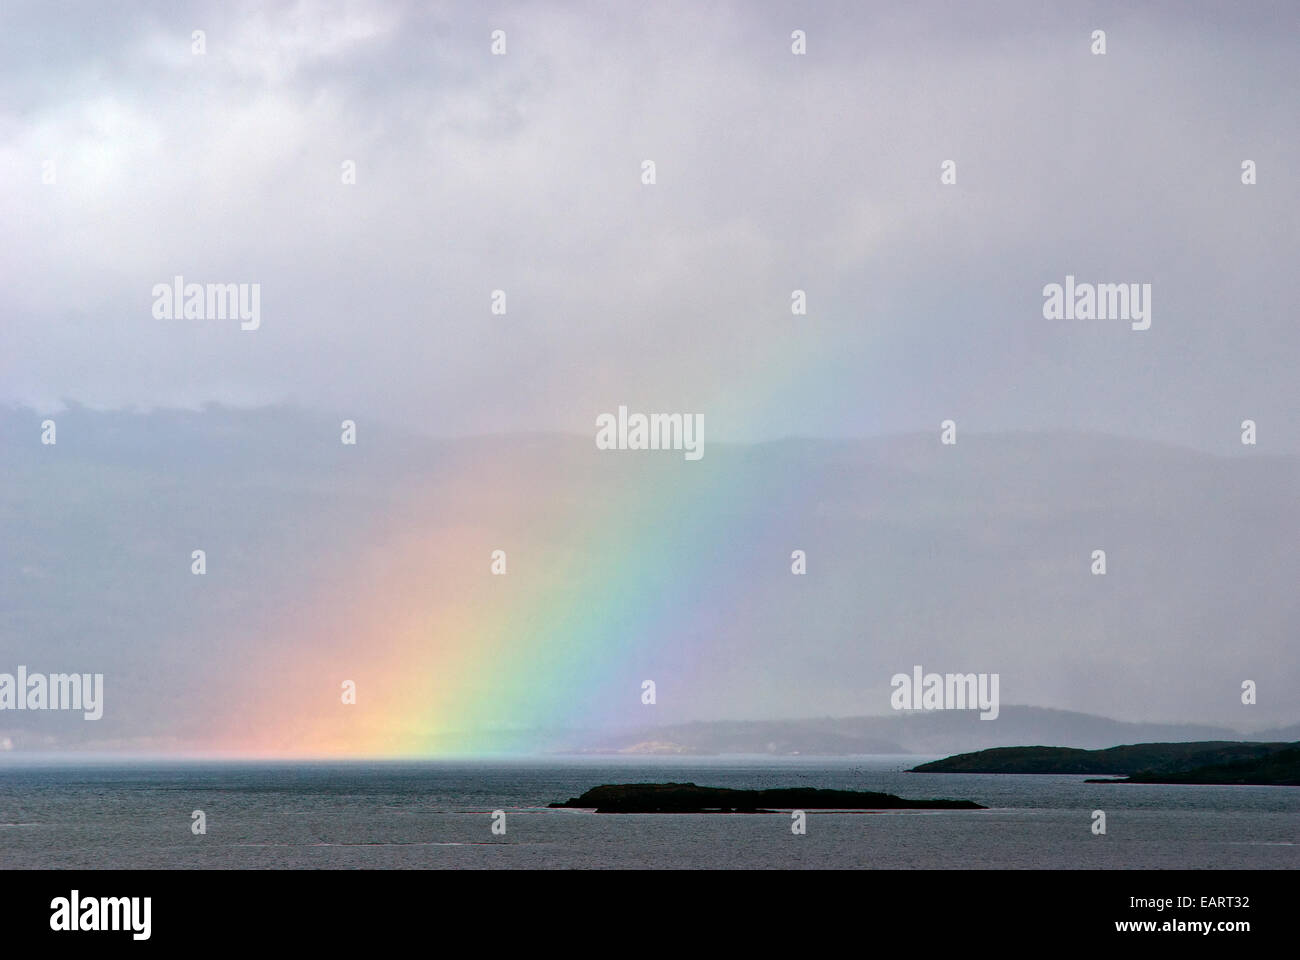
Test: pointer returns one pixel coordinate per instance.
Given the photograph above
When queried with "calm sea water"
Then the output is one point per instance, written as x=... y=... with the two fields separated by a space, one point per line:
x=437 y=815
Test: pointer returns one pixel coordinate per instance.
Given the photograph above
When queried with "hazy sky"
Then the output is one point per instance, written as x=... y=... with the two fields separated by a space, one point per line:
x=128 y=159
x=522 y=172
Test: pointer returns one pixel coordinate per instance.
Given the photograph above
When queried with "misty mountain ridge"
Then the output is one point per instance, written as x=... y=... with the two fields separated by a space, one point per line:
x=914 y=732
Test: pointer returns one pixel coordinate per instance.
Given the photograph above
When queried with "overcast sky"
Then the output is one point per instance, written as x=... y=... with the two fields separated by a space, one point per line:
x=127 y=159
x=522 y=172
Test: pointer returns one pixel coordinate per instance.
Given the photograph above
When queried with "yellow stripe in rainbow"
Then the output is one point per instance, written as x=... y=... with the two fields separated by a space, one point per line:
x=449 y=659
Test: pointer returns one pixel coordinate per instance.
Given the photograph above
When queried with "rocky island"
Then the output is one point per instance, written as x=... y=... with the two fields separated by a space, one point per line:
x=689 y=798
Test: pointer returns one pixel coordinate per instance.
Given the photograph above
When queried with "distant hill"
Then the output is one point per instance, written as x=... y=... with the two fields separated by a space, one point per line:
x=923 y=733
x=1289 y=734
x=1157 y=761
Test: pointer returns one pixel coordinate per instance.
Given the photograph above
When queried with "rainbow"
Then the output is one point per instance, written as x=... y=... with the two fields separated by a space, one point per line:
x=616 y=577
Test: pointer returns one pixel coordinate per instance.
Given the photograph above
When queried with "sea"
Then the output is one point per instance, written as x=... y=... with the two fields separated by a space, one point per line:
x=439 y=814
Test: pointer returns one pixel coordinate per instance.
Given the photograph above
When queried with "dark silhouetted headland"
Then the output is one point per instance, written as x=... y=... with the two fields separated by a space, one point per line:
x=1219 y=761
x=1280 y=769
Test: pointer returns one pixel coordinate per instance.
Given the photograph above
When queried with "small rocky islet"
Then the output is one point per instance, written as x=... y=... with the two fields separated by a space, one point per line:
x=689 y=798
